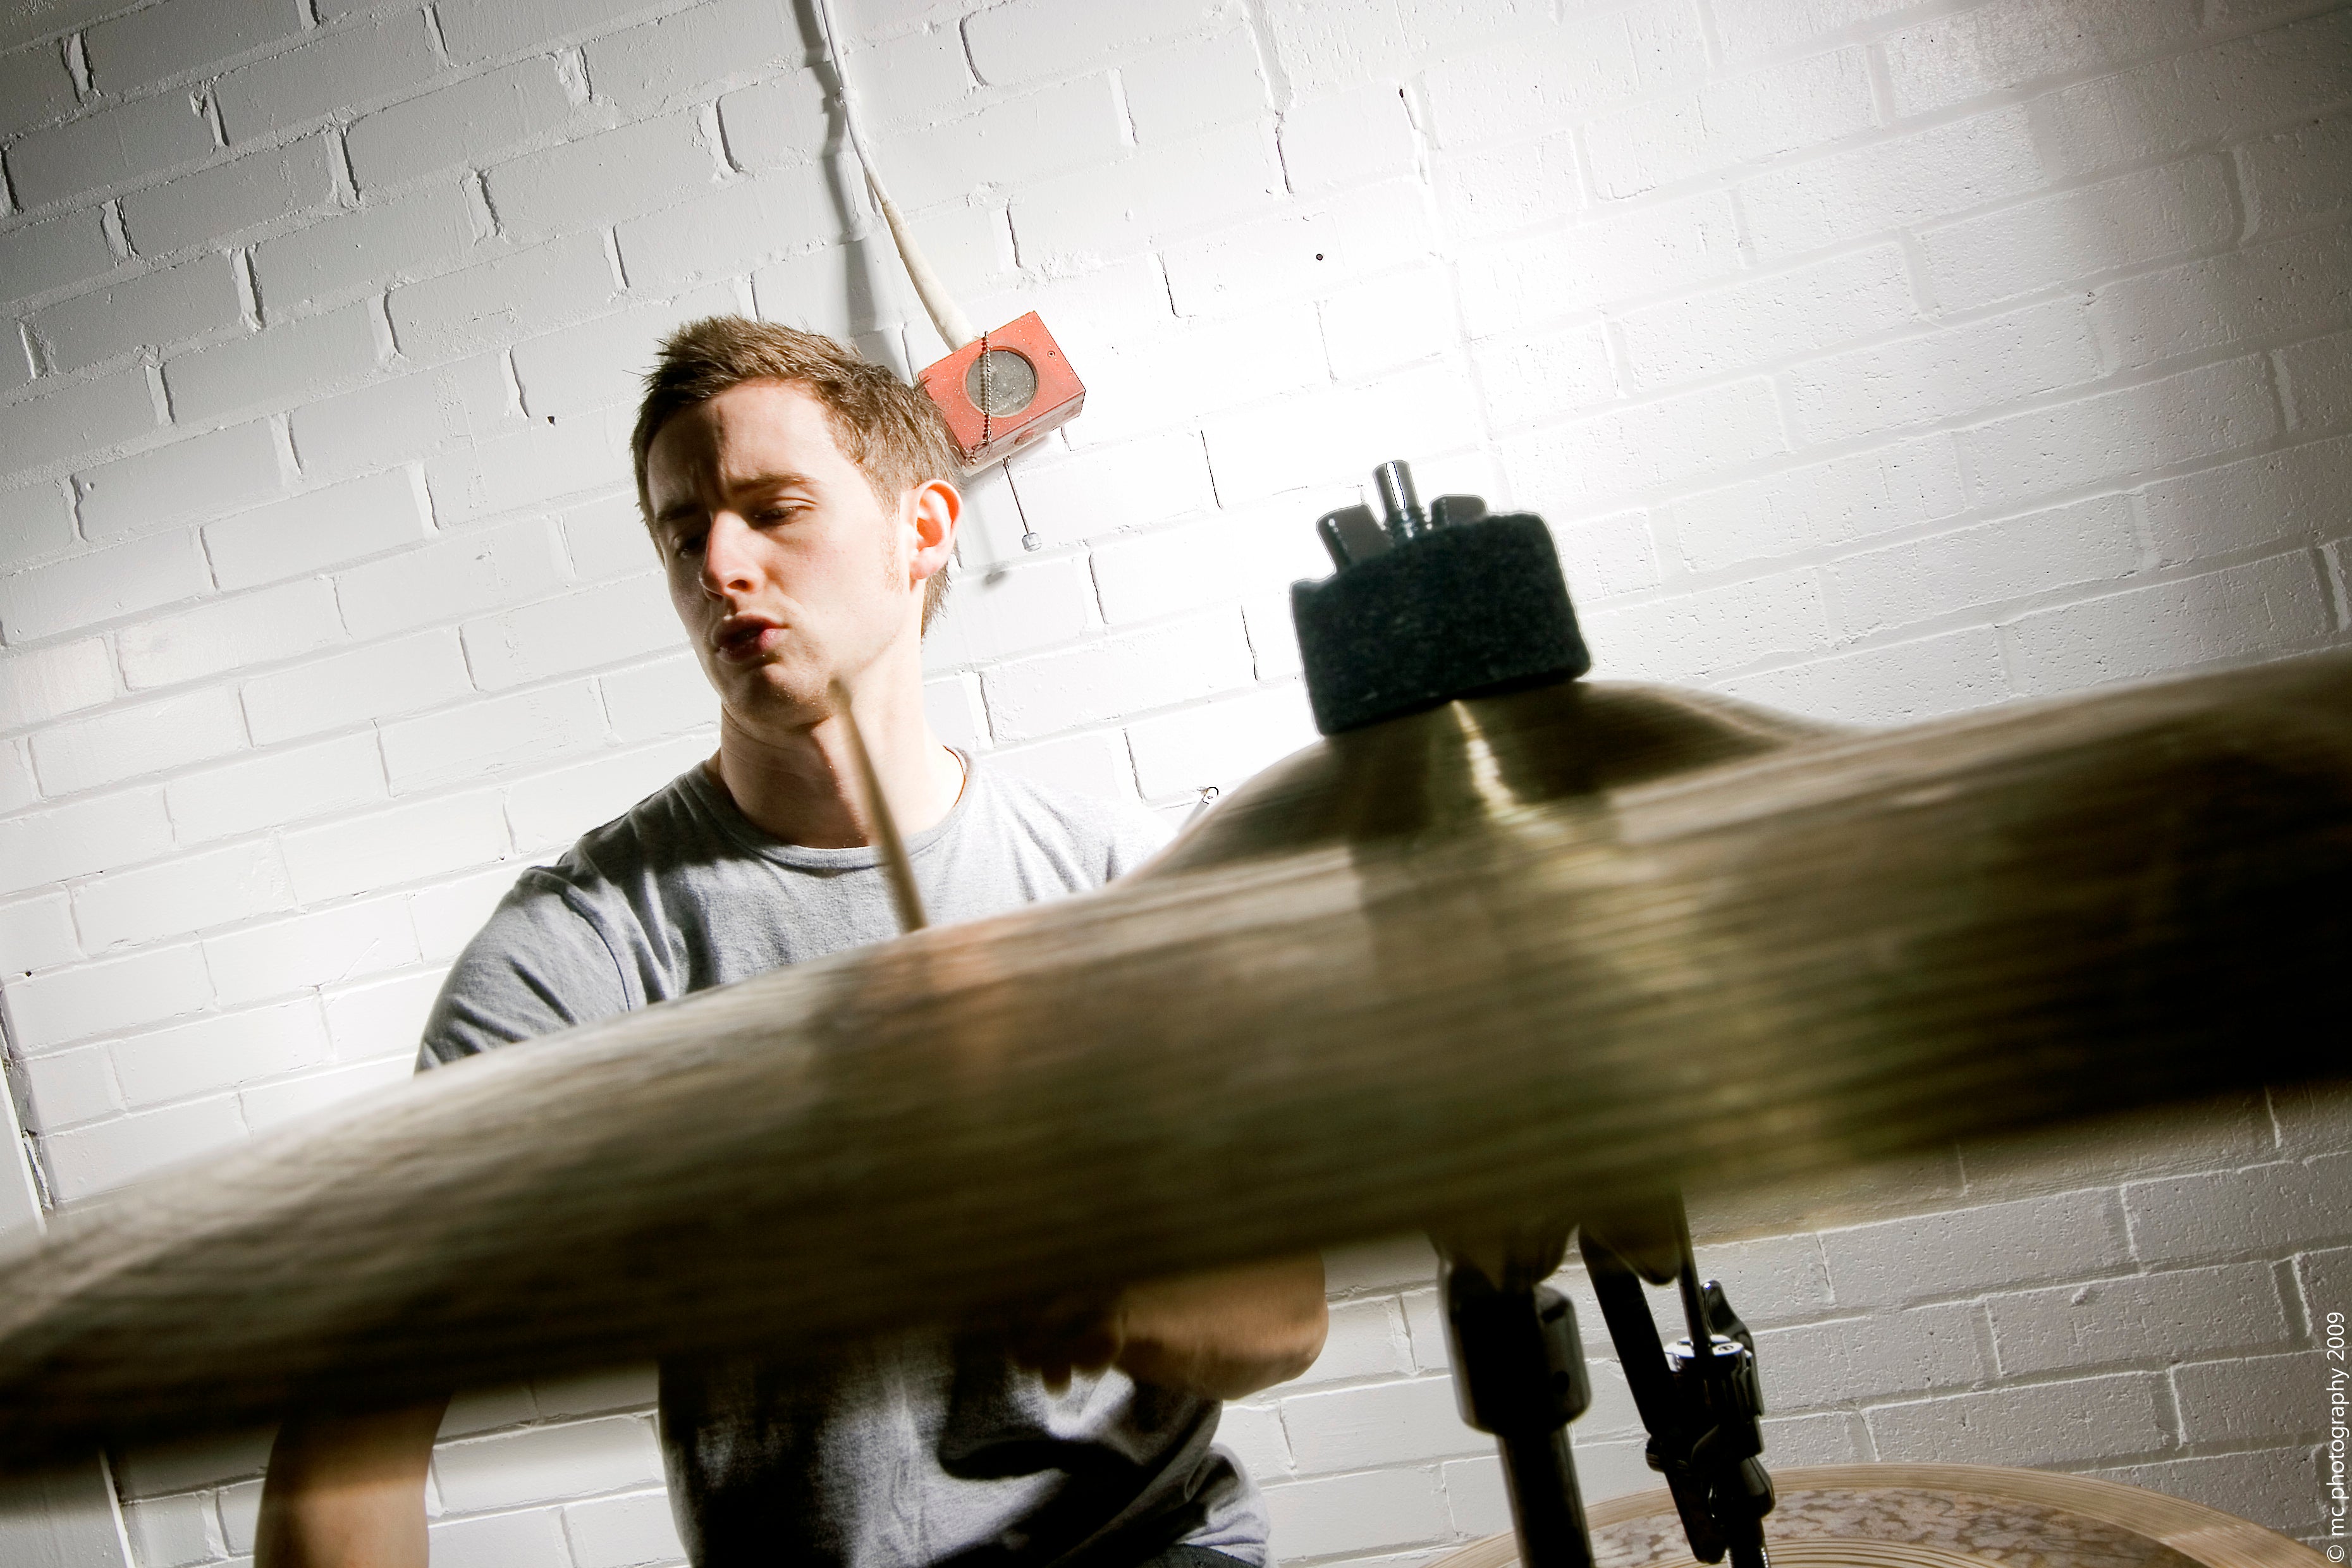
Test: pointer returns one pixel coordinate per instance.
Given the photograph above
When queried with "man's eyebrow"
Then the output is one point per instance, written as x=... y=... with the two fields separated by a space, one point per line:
x=774 y=480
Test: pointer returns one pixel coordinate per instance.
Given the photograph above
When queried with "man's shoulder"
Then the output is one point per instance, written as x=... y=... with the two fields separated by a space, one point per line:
x=568 y=942
x=1119 y=835
x=667 y=829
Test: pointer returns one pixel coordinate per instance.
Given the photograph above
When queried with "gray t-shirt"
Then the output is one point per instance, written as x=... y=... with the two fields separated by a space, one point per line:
x=923 y=1449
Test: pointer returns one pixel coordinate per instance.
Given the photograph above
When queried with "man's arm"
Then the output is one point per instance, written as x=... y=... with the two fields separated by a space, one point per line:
x=348 y=1491
x=1221 y=1334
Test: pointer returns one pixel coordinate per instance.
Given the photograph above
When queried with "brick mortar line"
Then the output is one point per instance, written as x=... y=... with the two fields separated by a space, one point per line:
x=1602 y=210
x=1731 y=178
x=1990 y=612
x=487 y=523
x=2121 y=379
x=519 y=858
x=1653 y=496
x=128 y=783
x=243 y=1007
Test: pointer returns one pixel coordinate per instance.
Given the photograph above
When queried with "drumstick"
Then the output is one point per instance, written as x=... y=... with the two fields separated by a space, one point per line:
x=895 y=863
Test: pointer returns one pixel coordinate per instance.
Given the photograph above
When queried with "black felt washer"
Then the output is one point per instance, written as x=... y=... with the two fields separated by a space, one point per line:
x=1450 y=614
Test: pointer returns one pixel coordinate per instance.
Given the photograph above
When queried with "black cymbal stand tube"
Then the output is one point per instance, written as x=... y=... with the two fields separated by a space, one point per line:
x=1518 y=1372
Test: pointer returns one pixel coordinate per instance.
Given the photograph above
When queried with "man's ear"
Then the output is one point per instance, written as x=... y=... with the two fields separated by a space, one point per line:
x=935 y=509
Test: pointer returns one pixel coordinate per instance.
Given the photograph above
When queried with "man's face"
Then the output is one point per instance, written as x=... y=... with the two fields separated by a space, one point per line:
x=786 y=569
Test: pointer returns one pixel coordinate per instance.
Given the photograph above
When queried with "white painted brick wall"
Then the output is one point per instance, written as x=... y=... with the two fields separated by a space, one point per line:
x=593 y=180
x=148 y=47
x=264 y=628
x=42 y=255
x=276 y=366
x=702 y=46
x=604 y=625
x=1877 y=358
x=112 y=145
x=409 y=843
x=518 y=294
x=322 y=528
x=416 y=234
x=100 y=585
x=84 y=417
x=2143 y=217
x=370 y=59
x=204 y=474
x=45 y=683
x=403 y=417
x=82 y=753
x=171 y=1065
x=230 y=198
x=191 y=301
x=726 y=232
x=36 y=84
x=373 y=682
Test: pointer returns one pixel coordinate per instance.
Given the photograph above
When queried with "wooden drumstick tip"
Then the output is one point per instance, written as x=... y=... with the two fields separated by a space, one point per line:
x=896 y=864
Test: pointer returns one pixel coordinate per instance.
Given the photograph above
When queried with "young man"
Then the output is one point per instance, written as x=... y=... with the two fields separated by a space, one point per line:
x=796 y=496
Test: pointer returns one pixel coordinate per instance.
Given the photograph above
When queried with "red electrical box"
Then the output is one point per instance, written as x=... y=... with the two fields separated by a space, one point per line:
x=1003 y=389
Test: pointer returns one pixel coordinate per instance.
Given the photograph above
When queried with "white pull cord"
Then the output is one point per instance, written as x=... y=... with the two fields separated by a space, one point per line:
x=947 y=317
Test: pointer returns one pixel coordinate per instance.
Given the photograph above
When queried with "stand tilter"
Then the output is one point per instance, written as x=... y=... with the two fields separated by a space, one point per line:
x=1518 y=1370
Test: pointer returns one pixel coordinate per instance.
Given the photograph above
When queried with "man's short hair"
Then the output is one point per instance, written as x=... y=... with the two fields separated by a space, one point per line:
x=892 y=431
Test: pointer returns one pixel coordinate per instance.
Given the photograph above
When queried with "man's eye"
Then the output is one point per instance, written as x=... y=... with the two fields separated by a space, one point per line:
x=689 y=544
x=778 y=513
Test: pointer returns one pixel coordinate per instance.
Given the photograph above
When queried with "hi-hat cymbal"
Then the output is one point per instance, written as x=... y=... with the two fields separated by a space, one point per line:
x=1493 y=959
x=1941 y=1516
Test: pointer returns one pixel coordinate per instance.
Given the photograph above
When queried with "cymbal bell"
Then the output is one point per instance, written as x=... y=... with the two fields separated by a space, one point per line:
x=1541 y=953
x=1464 y=766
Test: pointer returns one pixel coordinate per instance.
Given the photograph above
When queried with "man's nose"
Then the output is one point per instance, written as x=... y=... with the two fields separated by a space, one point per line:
x=727 y=558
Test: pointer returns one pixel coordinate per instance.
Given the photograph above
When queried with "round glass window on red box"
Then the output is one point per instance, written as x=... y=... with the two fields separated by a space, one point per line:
x=1003 y=390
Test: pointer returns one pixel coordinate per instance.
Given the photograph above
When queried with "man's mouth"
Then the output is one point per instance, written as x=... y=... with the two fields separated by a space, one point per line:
x=742 y=639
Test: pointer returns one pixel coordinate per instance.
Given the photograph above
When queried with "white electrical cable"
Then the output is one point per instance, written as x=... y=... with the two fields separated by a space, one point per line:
x=946 y=315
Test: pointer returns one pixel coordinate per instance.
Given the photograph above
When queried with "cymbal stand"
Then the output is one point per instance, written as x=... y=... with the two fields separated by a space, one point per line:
x=1703 y=1411
x=1518 y=1372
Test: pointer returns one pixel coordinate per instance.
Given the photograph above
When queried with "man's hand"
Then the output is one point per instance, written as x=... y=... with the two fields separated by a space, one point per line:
x=1220 y=1335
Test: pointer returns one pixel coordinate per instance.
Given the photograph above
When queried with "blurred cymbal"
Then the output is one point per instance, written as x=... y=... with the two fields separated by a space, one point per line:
x=1533 y=953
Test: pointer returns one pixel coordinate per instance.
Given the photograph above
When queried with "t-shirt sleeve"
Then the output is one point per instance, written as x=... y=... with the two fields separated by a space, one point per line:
x=1137 y=835
x=538 y=966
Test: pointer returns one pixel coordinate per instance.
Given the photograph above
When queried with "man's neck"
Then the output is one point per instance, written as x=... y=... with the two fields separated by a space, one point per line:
x=801 y=784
